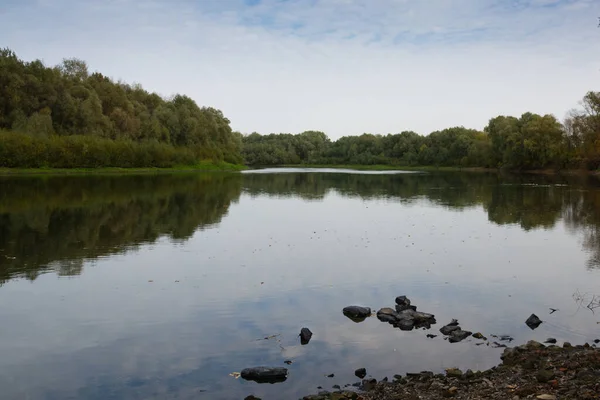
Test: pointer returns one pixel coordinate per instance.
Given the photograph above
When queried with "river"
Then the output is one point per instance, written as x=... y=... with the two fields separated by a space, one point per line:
x=161 y=286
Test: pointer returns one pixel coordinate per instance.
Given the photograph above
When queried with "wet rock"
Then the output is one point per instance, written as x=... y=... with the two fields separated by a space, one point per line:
x=405 y=324
x=567 y=345
x=336 y=387
x=596 y=341
x=533 y=321
x=458 y=335
x=454 y=373
x=265 y=374
x=403 y=301
x=400 y=308
x=546 y=397
x=431 y=336
x=288 y=362
x=550 y=340
x=330 y=375
x=454 y=322
x=305 y=335
x=478 y=335
x=533 y=345
x=252 y=397
x=357 y=313
x=448 y=329
x=361 y=372
x=506 y=338
x=545 y=375
x=369 y=384
x=387 y=315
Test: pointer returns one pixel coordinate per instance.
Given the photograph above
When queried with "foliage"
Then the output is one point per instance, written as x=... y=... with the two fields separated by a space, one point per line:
x=54 y=104
x=531 y=141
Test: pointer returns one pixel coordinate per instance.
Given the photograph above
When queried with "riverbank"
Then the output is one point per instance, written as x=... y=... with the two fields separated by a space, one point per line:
x=205 y=166
x=530 y=371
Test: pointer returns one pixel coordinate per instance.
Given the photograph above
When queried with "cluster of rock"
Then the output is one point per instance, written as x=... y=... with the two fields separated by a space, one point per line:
x=405 y=315
x=454 y=332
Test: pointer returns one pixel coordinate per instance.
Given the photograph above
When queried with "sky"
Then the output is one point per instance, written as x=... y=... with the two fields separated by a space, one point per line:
x=344 y=67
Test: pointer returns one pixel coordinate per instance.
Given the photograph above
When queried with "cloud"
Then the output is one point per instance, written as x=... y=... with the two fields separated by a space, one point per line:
x=342 y=66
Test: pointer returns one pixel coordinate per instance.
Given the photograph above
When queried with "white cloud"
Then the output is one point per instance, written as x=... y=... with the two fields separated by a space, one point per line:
x=342 y=66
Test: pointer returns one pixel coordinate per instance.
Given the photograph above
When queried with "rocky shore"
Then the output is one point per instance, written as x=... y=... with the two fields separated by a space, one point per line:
x=530 y=371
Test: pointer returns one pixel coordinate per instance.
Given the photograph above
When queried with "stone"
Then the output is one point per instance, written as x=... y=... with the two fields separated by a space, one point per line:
x=305 y=335
x=533 y=345
x=431 y=336
x=446 y=330
x=454 y=373
x=458 y=335
x=252 y=397
x=478 y=335
x=357 y=313
x=400 y=308
x=567 y=345
x=330 y=375
x=288 y=362
x=336 y=387
x=265 y=374
x=533 y=321
x=545 y=375
x=360 y=373
x=369 y=384
x=596 y=341
x=387 y=315
x=454 y=322
x=546 y=397
x=403 y=301
x=405 y=324
x=550 y=340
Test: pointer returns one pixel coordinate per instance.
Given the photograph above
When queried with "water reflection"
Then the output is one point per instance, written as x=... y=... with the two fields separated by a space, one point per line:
x=56 y=223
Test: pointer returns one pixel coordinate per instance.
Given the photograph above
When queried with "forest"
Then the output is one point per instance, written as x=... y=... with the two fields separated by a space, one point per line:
x=66 y=117
x=530 y=141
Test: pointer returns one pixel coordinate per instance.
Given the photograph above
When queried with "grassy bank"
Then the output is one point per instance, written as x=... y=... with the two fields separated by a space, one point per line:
x=202 y=166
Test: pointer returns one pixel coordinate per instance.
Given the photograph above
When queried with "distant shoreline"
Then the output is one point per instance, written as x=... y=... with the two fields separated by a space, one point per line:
x=201 y=167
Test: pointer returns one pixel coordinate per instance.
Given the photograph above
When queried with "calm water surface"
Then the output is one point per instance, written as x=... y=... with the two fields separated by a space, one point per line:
x=158 y=287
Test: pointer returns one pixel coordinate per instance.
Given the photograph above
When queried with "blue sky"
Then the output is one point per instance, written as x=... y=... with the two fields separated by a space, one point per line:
x=341 y=66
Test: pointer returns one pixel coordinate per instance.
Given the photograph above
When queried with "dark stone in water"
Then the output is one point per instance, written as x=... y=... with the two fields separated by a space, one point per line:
x=400 y=308
x=361 y=372
x=265 y=374
x=454 y=322
x=357 y=313
x=336 y=387
x=478 y=335
x=403 y=301
x=533 y=321
x=459 y=335
x=305 y=335
x=506 y=338
x=387 y=315
x=252 y=397
x=448 y=329
x=596 y=341
x=330 y=375
x=405 y=324
x=550 y=340
x=430 y=336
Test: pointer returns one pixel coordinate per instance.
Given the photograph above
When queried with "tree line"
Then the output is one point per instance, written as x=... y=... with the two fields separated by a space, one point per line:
x=65 y=116
x=531 y=141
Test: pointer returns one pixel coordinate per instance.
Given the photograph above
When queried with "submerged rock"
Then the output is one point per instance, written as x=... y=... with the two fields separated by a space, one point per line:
x=478 y=335
x=265 y=374
x=305 y=335
x=357 y=313
x=533 y=321
x=550 y=341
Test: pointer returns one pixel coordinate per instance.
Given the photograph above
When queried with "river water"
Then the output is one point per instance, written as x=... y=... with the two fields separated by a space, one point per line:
x=161 y=286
